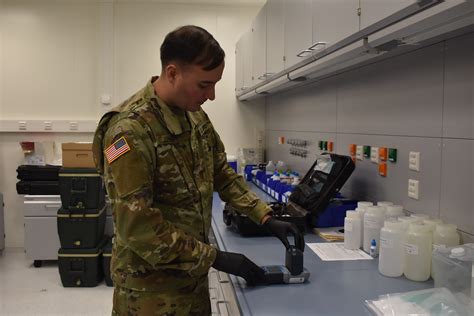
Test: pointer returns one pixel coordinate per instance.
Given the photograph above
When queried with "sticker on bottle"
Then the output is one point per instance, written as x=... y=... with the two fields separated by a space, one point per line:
x=369 y=223
x=411 y=249
x=386 y=243
x=348 y=227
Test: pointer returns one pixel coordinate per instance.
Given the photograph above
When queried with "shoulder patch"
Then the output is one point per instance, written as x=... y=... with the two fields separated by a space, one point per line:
x=117 y=149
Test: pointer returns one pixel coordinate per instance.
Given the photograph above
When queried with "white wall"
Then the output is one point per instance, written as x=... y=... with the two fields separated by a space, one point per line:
x=55 y=65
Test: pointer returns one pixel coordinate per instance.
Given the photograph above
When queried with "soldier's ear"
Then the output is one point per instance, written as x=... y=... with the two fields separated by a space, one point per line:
x=171 y=72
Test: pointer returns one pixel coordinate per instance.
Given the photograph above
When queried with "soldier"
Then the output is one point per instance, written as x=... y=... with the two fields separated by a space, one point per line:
x=161 y=160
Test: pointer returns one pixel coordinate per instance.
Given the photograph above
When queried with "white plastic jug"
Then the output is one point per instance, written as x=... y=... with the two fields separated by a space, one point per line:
x=394 y=211
x=445 y=235
x=418 y=252
x=373 y=221
x=392 y=243
x=352 y=230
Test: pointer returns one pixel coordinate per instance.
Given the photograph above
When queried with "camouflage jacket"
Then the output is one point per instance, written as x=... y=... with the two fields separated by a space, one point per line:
x=161 y=166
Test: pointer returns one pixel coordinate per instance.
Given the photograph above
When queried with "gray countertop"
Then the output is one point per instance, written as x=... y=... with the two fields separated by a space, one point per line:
x=334 y=288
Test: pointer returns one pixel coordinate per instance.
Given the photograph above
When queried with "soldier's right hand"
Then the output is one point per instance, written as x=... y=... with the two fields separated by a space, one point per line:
x=240 y=265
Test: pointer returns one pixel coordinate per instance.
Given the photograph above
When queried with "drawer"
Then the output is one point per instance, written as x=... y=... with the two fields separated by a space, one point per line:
x=42 y=208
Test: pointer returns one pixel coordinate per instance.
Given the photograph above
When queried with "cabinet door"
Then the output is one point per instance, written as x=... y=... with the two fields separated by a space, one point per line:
x=298 y=31
x=247 y=56
x=375 y=10
x=275 y=36
x=334 y=20
x=239 y=66
x=259 y=46
x=41 y=238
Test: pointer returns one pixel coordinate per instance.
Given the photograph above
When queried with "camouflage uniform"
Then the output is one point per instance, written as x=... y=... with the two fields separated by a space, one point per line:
x=161 y=194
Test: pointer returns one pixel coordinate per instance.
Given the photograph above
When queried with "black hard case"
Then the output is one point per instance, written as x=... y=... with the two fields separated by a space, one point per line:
x=106 y=256
x=301 y=215
x=81 y=188
x=81 y=229
x=38 y=173
x=37 y=187
x=81 y=267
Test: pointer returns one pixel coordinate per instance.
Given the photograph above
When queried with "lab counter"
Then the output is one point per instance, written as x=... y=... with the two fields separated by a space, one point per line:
x=334 y=287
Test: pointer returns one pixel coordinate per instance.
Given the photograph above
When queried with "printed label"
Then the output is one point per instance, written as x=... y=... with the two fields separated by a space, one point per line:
x=386 y=243
x=370 y=223
x=411 y=249
x=348 y=227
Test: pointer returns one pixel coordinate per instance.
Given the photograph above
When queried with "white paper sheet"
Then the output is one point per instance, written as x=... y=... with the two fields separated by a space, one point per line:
x=335 y=251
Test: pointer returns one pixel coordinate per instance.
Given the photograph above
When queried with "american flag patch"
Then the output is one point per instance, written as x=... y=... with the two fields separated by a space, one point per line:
x=117 y=149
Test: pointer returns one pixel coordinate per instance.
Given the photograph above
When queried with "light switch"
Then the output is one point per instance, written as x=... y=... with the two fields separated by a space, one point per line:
x=374 y=154
x=414 y=161
x=413 y=189
x=360 y=152
x=392 y=154
x=367 y=151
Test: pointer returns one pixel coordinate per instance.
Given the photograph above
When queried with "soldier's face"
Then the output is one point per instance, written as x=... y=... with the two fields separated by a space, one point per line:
x=194 y=86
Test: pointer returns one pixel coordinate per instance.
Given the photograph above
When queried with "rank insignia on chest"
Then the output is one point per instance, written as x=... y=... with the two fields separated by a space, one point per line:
x=117 y=149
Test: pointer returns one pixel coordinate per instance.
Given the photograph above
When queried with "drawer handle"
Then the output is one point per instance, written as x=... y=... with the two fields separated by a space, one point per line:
x=315 y=45
x=304 y=53
x=226 y=307
x=213 y=293
x=55 y=206
x=221 y=280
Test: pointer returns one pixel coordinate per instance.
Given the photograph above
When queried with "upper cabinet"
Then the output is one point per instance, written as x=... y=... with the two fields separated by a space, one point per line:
x=259 y=46
x=298 y=21
x=333 y=20
x=373 y=11
x=239 y=66
x=247 y=59
x=275 y=37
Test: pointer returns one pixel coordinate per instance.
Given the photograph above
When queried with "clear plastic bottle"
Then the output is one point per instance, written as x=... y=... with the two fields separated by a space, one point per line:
x=384 y=203
x=373 y=221
x=407 y=220
x=352 y=230
x=392 y=252
x=394 y=211
x=418 y=252
x=270 y=167
x=445 y=235
x=364 y=204
x=420 y=216
x=432 y=222
x=281 y=166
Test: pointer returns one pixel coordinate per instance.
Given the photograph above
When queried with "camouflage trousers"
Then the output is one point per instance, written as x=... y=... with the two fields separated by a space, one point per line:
x=137 y=303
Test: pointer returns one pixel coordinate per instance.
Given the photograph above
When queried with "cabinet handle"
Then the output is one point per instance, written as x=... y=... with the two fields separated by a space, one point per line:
x=221 y=280
x=226 y=307
x=265 y=75
x=304 y=52
x=55 y=206
x=213 y=290
x=315 y=45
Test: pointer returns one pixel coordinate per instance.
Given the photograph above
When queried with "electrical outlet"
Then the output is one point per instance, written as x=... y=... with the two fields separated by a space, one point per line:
x=414 y=161
x=73 y=126
x=413 y=189
x=374 y=154
x=360 y=152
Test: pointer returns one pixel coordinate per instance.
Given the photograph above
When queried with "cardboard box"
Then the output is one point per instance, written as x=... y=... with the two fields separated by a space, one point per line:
x=77 y=155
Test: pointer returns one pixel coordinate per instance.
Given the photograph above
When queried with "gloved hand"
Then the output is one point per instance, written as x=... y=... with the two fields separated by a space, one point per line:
x=240 y=265
x=281 y=229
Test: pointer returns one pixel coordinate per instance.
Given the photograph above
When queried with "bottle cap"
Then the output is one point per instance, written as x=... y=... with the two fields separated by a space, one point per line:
x=458 y=252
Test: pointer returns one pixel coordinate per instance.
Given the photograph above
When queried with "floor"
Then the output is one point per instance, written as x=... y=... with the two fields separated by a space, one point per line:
x=26 y=290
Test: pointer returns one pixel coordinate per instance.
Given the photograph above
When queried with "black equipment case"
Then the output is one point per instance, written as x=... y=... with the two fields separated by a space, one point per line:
x=315 y=192
x=81 y=267
x=106 y=256
x=37 y=187
x=81 y=188
x=81 y=228
x=38 y=173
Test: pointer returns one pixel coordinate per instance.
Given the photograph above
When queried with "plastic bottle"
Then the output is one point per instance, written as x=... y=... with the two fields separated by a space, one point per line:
x=373 y=249
x=394 y=211
x=384 y=203
x=392 y=243
x=420 y=216
x=364 y=203
x=373 y=221
x=281 y=166
x=418 y=252
x=270 y=167
x=352 y=230
x=407 y=220
x=445 y=235
x=432 y=222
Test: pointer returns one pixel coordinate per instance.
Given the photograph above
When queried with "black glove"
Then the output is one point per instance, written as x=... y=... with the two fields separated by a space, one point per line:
x=240 y=265
x=281 y=229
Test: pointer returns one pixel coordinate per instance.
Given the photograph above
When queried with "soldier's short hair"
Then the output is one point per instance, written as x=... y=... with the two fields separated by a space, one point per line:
x=191 y=45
